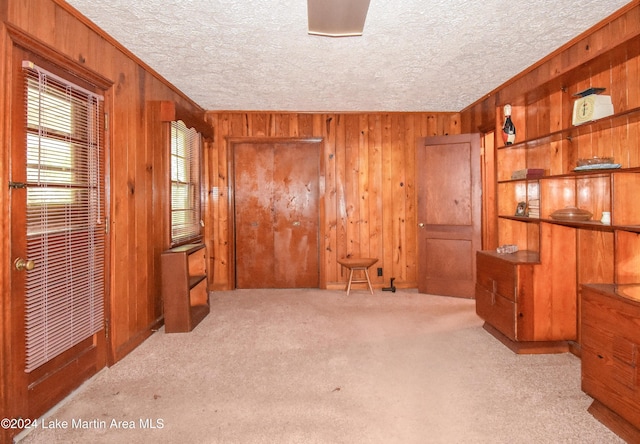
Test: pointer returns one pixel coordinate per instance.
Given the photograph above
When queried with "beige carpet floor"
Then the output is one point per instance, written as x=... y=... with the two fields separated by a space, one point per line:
x=316 y=366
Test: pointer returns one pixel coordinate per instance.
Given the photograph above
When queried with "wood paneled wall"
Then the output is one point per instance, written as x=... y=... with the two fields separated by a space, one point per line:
x=604 y=36
x=139 y=193
x=368 y=182
x=481 y=116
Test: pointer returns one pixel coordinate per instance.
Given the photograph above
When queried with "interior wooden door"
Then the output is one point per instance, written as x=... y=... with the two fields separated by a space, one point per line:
x=276 y=214
x=58 y=236
x=449 y=214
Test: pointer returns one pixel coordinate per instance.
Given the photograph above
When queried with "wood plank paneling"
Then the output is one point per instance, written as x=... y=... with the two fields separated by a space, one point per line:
x=387 y=190
x=550 y=74
x=138 y=187
x=397 y=203
x=367 y=170
x=367 y=183
x=374 y=194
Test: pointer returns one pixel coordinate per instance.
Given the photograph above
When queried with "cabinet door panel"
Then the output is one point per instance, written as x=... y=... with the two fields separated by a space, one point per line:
x=555 y=290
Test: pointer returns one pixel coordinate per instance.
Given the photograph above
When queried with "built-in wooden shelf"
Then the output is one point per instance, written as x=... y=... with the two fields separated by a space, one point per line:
x=573 y=294
x=512 y=295
x=622 y=118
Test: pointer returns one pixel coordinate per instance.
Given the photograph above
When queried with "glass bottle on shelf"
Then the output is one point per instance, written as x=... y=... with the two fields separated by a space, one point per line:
x=508 y=129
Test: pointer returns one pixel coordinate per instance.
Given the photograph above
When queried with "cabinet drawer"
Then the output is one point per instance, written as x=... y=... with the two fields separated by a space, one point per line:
x=609 y=320
x=611 y=352
x=498 y=276
x=497 y=311
x=613 y=383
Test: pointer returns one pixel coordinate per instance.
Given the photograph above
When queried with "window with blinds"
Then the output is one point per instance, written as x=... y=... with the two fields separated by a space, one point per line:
x=185 y=183
x=65 y=215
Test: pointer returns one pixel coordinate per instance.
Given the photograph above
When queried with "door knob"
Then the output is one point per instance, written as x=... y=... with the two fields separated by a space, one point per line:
x=24 y=264
x=421 y=225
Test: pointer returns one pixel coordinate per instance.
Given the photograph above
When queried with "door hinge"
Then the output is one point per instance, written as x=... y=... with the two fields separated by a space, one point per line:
x=15 y=185
x=106 y=121
x=106 y=328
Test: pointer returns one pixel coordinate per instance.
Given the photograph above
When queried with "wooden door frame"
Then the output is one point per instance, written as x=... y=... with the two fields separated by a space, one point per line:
x=18 y=40
x=232 y=143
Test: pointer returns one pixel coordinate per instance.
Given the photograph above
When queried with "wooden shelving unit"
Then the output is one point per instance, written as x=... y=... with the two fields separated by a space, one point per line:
x=566 y=254
x=184 y=287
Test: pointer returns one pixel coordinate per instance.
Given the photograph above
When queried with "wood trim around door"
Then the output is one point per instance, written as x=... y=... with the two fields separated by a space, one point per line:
x=231 y=144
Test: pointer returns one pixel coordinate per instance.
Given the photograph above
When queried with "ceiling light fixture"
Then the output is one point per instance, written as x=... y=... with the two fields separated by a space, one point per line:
x=337 y=18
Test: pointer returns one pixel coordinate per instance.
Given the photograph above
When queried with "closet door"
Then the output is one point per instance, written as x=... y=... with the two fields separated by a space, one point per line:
x=276 y=214
x=255 y=254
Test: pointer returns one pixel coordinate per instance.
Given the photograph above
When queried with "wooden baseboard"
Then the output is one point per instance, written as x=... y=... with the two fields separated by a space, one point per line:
x=575 y=348
x=528 y=347
x=123 y=350
x=617 y=424
x=343 y=285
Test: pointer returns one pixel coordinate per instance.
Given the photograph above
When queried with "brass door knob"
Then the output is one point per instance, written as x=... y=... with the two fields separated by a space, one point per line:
x=421 y=225
x=24 y=264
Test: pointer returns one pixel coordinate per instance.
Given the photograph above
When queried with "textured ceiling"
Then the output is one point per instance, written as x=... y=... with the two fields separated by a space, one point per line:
x=414 y=55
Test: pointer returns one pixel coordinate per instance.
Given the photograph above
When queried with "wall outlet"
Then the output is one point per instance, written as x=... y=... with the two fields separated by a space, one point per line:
x=379 y=271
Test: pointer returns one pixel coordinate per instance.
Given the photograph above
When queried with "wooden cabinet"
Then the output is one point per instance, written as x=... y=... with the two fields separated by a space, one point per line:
x=518 y=308
x=184 y=287
x=611 y=355
x=569 y=253
x=504 y=284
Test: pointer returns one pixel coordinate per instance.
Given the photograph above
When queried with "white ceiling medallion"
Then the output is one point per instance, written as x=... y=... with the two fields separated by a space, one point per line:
x=337 y=18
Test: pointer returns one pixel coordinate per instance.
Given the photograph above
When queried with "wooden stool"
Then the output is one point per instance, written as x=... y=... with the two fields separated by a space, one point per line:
x=358 y=263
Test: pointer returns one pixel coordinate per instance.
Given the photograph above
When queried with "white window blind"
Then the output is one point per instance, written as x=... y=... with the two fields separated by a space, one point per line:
x=65 y=215
x=185 y=183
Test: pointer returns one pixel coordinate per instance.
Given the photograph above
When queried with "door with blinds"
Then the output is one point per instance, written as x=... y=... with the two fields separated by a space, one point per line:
x=58 y=238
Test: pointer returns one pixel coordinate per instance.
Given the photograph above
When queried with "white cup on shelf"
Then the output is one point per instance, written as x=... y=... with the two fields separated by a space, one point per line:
x=606 y=218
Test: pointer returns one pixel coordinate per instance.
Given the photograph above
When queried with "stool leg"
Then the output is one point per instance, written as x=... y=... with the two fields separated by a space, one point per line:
x=350 y=277
x=366 y=273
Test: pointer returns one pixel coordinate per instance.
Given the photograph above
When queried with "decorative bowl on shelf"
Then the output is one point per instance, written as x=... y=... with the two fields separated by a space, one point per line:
x=571 y=214
x=595 y=161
